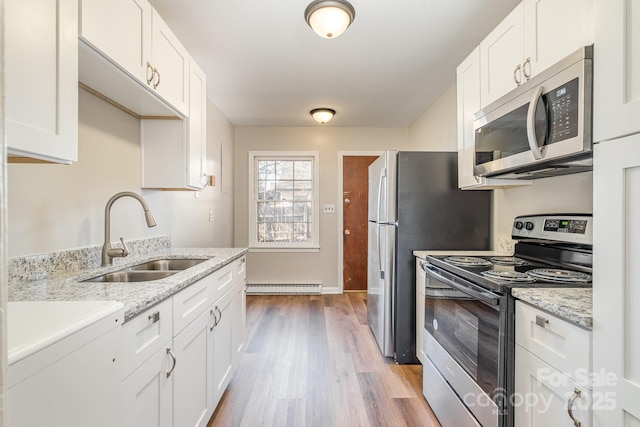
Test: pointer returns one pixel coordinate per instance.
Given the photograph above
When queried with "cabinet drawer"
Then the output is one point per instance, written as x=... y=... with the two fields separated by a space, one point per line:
x=563 y=345
x=240 y=268
x=145 y=334
x=222 y=280
x=190 y=302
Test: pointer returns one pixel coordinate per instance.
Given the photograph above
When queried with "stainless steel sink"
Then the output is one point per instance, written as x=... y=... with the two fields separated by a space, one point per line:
x=167 y=264
x=132 y=276
x=148 y=271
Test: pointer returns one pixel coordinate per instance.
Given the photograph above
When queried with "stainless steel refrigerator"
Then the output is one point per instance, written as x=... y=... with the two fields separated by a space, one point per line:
x=414 y=204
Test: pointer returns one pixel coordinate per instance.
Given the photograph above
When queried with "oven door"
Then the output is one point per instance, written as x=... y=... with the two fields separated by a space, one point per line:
x=465 y=343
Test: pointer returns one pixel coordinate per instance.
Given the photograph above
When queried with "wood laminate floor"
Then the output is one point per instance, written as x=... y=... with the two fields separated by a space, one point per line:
x=312 y=361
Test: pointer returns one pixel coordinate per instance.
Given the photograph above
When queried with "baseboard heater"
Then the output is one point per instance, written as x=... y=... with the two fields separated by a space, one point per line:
x=284 y=289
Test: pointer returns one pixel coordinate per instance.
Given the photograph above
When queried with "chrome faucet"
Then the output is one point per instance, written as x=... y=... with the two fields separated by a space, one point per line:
x=109 y=252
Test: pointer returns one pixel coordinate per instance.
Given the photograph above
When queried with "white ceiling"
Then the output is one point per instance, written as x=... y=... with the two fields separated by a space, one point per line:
x=266 y=67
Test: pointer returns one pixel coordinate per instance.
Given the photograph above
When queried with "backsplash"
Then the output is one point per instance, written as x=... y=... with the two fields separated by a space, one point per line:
x=54 y=265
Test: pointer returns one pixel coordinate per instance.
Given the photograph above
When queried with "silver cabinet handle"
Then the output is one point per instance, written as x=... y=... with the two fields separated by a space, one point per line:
x=515 y=77
x=157 y=73
x=154 y=317
x=219 y=318
x=215 y=319
x=541 y=321
x=576 y=395
x=149 y=68
x=524 y=68
x=173 y=357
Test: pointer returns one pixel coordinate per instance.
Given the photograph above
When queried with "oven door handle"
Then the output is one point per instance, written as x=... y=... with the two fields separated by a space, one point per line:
x=486 y=297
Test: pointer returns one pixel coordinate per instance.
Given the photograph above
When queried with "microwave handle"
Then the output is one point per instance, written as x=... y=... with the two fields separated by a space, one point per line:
x=531 y=123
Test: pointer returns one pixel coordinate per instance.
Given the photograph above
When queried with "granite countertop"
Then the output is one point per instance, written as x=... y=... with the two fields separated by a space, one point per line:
x=137 y=296
x=572 y=304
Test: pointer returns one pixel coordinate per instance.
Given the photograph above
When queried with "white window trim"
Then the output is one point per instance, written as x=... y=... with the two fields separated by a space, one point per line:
x=254 y=245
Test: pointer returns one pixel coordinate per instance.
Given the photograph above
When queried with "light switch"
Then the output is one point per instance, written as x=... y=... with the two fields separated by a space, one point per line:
x=329 y=208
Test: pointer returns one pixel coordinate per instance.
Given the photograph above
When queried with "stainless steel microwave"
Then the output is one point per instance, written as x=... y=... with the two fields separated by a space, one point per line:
x=542 y=128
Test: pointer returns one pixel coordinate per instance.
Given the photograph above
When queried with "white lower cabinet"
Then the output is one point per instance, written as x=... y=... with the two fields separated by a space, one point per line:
x=192 y=383
x=146 y=394
x=222 y=345
x=182 y=353
x=552 y=370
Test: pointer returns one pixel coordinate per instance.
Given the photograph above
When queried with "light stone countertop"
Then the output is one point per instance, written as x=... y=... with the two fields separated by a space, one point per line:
x=137 y=296
x=572 y=304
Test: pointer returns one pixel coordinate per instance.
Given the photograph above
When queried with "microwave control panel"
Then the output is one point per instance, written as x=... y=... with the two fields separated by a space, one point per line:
x=562 y=104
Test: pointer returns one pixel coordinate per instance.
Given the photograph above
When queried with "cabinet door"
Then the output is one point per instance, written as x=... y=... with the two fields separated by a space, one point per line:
x=239 y=321
x=468 y=103
x=222 y=345
x=147 y=393
x=553 y=30
x=543 y=394
x=79 y=389
x=616 y=69
x=192 y=382
x=171 y=62
x=121 y=30
x=197 y=135
x=616 y=276
x=41 y=79
x=501 y=54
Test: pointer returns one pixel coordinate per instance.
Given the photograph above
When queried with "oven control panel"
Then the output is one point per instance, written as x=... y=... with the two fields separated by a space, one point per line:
x=568 y=228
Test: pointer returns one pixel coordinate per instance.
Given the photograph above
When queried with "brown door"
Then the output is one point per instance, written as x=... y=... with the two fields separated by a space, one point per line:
x=354 y=215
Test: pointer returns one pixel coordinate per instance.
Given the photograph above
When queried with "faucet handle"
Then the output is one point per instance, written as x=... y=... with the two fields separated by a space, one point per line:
x=125 y=249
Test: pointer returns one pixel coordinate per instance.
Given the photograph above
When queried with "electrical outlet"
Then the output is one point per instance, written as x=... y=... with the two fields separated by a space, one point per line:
x=210 y=216
x=329 y=208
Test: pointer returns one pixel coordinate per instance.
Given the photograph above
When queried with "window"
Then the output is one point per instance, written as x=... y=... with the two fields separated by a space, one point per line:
x=283 y=200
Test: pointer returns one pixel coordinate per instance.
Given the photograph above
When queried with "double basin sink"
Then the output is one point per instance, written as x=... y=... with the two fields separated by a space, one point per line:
x=148 y=271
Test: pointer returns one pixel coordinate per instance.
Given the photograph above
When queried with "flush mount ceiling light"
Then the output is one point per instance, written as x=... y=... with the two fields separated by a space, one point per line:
x=329 y=18
x=322 y=115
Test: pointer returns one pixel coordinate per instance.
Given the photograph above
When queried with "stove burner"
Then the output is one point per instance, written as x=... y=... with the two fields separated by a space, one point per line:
x=559 y=275
x=507 y=260
x=465 y=261
x=510 y=276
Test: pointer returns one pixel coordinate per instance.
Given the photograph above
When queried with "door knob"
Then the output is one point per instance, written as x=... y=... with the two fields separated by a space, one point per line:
x=347 y=232
x=347 y=200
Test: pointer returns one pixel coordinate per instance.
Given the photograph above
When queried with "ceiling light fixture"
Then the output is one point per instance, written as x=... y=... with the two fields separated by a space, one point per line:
x=329 y=18
x=322 y=115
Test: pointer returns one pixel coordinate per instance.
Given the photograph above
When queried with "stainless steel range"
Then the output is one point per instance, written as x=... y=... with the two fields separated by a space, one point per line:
x=469 y=315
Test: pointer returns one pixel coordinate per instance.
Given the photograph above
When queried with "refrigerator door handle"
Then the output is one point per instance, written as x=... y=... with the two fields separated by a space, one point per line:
x=383 y=175
x=380 y=257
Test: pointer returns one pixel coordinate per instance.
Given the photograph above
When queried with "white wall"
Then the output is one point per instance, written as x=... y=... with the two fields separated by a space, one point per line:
x=58 y=207
x=436 y=130
x=322 y=266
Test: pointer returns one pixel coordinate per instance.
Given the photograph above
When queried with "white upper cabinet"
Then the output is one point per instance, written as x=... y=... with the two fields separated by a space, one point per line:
x=616 y=86
x=534 y=36
x=501 y=54
x=468 y=103
x=197 y=135
x=554 y=29
x=174 y=152
x=130 y=36
x=170 y=62
x=121 y=30
x=41 y=80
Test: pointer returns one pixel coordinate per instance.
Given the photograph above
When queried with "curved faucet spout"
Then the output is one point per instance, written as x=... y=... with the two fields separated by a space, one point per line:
x=108 y=252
